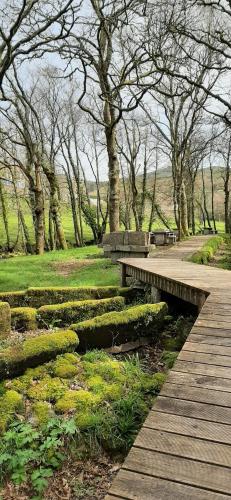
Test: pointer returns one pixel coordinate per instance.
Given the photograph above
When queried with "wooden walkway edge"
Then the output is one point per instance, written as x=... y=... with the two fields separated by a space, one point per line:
x=183 y=451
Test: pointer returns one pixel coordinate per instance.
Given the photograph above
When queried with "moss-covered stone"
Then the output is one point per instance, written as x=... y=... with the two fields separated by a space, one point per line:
x=24 y=318
x=207 y=251
x=65 y=367
x=119 y=327
x=47 y=389
x=9 y=403
x=33 y=351
x=74 y=400
x=14 y=299
x=5 y=320
x=36 y=297
x=64 y=314
x=42 y=411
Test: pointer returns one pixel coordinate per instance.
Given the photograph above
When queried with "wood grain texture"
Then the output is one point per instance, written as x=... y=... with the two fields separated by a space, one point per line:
x=183 y=451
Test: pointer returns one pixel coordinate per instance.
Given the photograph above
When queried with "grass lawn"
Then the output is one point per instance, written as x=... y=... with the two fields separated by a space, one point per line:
x=74 y=267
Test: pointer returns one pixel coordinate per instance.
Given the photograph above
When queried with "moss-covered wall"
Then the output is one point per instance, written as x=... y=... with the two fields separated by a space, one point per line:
x=119 y=327
x=5 y=319
x=69 y=312
x=15 y=359
x=23 y=318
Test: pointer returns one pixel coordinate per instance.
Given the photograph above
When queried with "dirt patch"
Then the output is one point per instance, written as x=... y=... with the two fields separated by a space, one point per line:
x=87 y=480
x=70 y=266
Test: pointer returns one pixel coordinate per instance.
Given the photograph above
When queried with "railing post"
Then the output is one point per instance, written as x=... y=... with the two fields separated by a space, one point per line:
x=123 y=275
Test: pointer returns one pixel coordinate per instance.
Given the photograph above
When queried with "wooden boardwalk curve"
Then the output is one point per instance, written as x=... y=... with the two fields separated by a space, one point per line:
x=183 y=451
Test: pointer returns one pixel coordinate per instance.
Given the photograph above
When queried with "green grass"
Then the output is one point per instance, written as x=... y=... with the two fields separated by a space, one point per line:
x=19 y=273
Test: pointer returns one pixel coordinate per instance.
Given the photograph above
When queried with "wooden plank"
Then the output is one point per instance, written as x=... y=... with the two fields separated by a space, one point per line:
x=209 y=339
x=220 y=319
x=218 y=332
x=202 y=369
x=179 y=469
x=196 y=394
x=207 y=348
x=194 y=409
x=197 y=380
x=220 y=325
x=211 y=431
x=184 y=446
x=200 y=357
x=134 y=486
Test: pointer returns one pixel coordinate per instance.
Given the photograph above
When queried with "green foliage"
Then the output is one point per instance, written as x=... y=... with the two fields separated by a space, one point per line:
x=119 y=327
x=37 y=453
x=177 y=333
x=5 y=320
x=64 y=314
x=169 y=358
x=102 y=405
x=15 y=299
x=23 y=318
x=9 y=403
x=208 y=250
x=35 y=350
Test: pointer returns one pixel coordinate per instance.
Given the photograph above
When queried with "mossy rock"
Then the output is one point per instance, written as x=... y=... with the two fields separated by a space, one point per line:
x=24 y=318
x=208 y=250
x=14 y=360
x=42 y=412
x=69 y=312
x=120 y=327
x=14 y=299
x=9 y=403
x=5 y=320
x=36 y=297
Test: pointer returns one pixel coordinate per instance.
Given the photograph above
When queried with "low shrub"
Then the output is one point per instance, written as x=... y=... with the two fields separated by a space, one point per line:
x=23 y=318
x=68 y=312
x=205 y=255
x=33 y=351
x=9 y=403
x=119 y=327
x=5 y=320
x=36 y=297
x=15 y=299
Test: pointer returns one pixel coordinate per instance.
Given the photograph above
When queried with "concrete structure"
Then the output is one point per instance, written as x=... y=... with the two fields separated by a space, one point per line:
x=127 y=244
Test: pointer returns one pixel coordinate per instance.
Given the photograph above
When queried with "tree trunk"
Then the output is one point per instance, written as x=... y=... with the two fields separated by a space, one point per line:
x=55 y=210
x=4 y=215
x=114 y=184
x=39 y=213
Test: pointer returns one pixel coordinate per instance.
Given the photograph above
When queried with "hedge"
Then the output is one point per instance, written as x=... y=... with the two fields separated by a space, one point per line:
x=5 y=319
x=14 y=360
x=15 y=299
x=37 y=297
x=120 y=327
x=69 y=312
x=208 y=250
x=24 y=318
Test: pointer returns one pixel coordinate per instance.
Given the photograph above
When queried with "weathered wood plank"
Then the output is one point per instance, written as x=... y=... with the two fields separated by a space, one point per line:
x=207 y=348
x=179 y=469
x=218 y=324
x=209 y=339
x=199 y=394
x=194 y=409
x=200 y=357
x=202 y=369
x=186 y=426
x=132 y=486
x=198 y=380
x=184 y=446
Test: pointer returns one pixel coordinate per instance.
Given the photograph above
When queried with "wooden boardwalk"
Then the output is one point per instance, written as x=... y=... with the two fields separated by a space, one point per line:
x=183 y=450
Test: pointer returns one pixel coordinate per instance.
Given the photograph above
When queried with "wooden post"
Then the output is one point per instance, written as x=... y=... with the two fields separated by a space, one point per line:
x=123 y=275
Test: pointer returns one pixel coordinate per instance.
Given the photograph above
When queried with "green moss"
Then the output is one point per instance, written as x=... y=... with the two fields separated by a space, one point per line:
x=89 y=420
x=74 y=400
x=110 y=370
x=14 y=299
x=55 y=295
x=65 y=368
x=23 y=318
x=208 y=250
x=66 y=313
x=9 y=403
x=120 y=327
x=5 y=320
x=33 y=351
x=47 y=389
x=42 y=412
x=97 y=385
